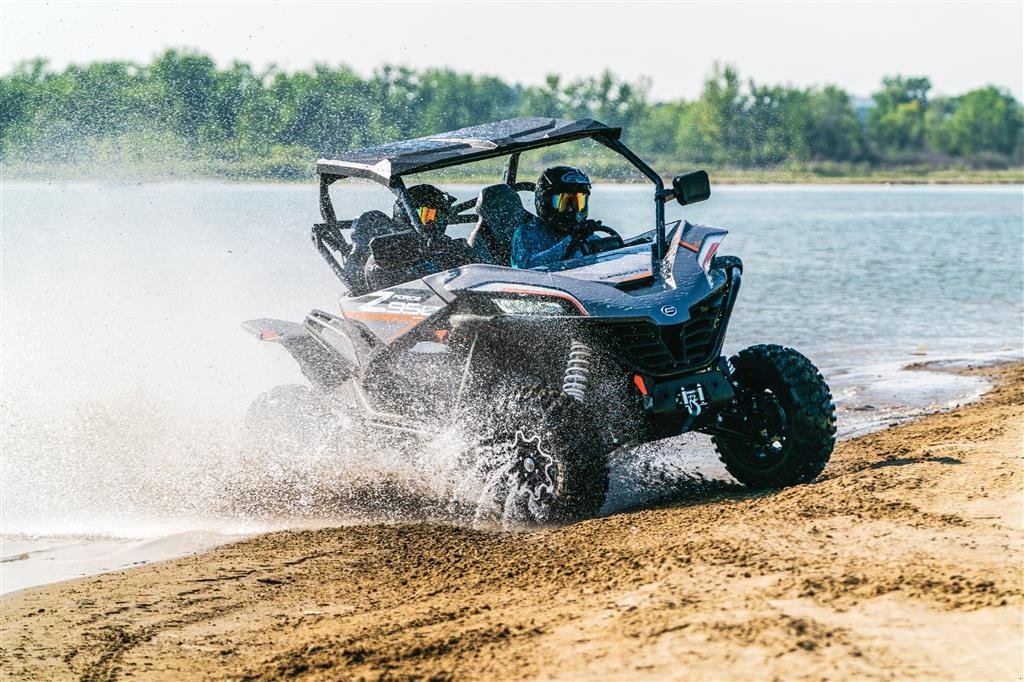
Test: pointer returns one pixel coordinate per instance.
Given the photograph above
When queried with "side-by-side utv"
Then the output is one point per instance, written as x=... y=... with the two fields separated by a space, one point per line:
x=547 y=370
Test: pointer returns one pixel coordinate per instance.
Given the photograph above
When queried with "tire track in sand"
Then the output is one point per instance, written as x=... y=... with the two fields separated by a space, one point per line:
x=903 y=560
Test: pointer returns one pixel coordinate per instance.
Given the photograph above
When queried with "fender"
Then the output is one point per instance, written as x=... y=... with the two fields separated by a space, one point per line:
x=319 y=365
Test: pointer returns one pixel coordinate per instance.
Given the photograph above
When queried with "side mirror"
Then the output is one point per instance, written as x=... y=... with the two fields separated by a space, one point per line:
x=691 y=187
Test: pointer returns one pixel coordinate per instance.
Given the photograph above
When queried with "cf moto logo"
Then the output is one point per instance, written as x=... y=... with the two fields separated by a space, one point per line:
x=669 y=310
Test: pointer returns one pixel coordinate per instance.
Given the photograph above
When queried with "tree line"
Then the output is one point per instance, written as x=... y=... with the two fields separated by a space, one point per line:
x=182 y=105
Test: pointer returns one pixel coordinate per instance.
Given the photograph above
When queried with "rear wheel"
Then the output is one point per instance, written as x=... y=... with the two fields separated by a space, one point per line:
x=782 y=422
x=542 y=460
x=288 y=420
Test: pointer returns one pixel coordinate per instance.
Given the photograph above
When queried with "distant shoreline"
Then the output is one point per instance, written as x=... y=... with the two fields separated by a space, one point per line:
x=206 y=172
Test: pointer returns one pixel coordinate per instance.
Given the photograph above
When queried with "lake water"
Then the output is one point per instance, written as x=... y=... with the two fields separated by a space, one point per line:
x=125 y=374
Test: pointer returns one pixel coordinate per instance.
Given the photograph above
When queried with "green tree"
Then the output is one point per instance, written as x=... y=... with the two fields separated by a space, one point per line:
x=655 y=133
x=183 y=105
x=446 y=100
x=834 y=132
x=395 y=115
x=188 y=81
x=692 y=139
x=983 y=120
x=606 y=98
x=328 y=110
x=776 y=121
x=17 y=91
x=713 y=129
x=897 y=121
x=543 y=100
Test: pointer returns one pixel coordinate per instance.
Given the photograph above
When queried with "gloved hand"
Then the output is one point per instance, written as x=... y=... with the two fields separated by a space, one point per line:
x=578 y=239
x=588 y=227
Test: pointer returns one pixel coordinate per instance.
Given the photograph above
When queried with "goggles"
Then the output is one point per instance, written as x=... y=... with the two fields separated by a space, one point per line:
x=427 y=215
x=569 y=201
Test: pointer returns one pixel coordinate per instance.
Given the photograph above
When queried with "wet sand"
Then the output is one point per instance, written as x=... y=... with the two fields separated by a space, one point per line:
x=903 y=561
x=28 y=562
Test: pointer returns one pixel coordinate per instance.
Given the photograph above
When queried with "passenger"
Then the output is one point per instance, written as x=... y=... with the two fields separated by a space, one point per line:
x=433 y=205
x=561 y=199
x=435 y=252
x=434 y=208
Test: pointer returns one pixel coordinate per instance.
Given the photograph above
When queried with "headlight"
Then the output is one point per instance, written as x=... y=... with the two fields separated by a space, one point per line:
x=707 y=252
x=530 y=299
x=530 y=306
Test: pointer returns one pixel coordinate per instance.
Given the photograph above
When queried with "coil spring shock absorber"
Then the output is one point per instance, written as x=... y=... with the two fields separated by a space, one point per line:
x=577 y=371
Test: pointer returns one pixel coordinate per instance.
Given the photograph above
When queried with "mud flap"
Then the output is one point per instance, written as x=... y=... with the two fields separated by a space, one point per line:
x=323 y=368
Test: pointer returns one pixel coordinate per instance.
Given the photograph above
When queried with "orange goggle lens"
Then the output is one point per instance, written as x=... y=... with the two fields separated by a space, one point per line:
x=426 y=214
x=565 y=201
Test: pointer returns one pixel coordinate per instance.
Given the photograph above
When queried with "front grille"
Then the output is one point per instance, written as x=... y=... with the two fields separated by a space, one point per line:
x=672 y=348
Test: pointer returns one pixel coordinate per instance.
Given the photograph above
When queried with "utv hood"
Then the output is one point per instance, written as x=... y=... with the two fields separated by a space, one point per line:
x=616 y=284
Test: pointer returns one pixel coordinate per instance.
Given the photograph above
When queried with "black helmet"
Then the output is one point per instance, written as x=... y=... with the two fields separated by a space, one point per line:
x=435 y=208
x=562 y=197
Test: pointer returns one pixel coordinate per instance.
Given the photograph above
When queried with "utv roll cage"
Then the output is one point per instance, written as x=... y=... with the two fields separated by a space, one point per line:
x=388 y=164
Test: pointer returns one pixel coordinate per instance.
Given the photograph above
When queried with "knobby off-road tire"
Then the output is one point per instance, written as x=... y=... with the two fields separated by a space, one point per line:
x=283 y=429
x=542 y=460
x=786 y=396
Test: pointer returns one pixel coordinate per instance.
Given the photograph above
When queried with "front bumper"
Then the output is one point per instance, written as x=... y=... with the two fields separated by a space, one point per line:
x=690 y=396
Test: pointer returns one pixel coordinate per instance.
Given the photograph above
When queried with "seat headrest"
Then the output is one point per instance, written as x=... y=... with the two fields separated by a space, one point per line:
x=369 y=225
x=397 y=249
x=499 y=205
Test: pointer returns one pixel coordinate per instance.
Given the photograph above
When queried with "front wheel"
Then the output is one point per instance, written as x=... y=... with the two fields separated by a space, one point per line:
x=542 y=460
x=780 y=430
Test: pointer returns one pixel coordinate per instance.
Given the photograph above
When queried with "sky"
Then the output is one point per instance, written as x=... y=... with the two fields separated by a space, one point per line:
x=958 y=45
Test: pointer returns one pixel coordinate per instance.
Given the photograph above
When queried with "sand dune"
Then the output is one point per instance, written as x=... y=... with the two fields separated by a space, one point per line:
x=904 y=560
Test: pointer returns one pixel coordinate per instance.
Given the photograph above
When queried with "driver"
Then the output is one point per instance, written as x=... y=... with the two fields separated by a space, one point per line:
x=560 y=230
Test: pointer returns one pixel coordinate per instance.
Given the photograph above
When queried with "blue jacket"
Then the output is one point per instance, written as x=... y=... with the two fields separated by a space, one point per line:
x=534 y=244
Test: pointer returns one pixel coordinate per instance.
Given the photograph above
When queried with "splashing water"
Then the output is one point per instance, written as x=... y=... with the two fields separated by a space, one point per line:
x=126 y=381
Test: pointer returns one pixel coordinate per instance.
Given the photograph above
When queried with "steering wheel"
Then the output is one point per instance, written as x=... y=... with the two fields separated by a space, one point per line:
x=579 y=239
x=607 y=230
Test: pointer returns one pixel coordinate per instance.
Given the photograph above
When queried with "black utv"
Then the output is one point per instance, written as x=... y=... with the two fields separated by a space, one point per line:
x=546 y=370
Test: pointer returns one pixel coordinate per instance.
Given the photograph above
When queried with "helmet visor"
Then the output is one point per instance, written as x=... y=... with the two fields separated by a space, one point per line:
x=427 y=214
x=569 y=201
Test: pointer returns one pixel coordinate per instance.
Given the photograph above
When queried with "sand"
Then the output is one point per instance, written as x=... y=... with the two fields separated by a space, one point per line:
x=904 y=560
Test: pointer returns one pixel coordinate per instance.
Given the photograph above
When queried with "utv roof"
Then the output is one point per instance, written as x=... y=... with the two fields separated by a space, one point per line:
x=385 y=162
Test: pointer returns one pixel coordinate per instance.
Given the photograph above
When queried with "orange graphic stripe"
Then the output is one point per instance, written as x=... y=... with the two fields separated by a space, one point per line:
x=409 y=321
x=633 y=278
x=695 y=247
x=385 y=317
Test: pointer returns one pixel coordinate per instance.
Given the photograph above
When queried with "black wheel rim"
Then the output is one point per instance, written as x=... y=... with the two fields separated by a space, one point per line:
x=767 y=425
x=523 y=486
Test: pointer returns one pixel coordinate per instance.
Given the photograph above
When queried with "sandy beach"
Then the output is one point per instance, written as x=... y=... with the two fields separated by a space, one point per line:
x=903 y=561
